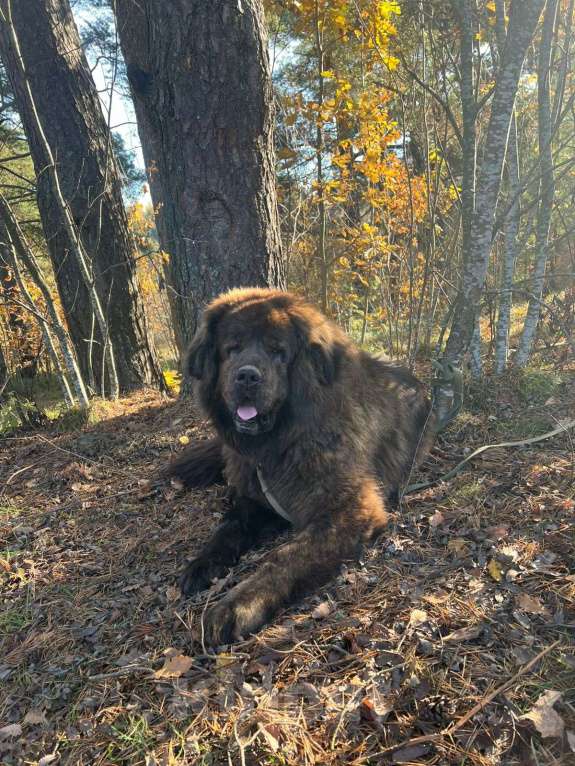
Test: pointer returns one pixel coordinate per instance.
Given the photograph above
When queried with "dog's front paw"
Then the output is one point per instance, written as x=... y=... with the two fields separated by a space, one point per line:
x=198 y=576
x=234 y=617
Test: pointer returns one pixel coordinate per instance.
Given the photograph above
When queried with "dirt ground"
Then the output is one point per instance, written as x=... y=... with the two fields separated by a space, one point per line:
x=453 y=642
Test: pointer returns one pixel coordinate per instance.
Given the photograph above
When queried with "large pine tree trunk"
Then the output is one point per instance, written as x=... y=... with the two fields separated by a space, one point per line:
x=200 y=79
x=71 y=117
x=524 y=15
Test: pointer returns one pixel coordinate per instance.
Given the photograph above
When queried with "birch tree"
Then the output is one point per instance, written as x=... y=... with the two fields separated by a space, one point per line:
x=546 y=185
x=523 y=18
x=512 y=220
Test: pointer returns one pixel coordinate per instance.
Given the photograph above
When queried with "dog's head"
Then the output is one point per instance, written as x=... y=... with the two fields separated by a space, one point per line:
x=256 y=353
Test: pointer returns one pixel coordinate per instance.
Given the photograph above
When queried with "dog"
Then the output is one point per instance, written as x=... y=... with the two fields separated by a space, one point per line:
x=312 y=434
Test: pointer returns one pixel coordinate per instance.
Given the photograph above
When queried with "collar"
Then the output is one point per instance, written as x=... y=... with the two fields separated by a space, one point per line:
x=278 y=508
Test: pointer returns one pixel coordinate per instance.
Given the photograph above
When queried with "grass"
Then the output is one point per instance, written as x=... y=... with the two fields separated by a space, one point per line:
x=133 y=739
x=524 y=426
x=14 y=620
x=536 y=386
x=9 y=510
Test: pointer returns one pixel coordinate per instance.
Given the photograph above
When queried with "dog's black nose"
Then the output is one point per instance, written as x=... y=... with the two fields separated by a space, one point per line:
x=248 y=375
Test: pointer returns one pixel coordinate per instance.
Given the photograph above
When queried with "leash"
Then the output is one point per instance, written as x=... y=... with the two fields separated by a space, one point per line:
x=523 y=442
x=448 y=383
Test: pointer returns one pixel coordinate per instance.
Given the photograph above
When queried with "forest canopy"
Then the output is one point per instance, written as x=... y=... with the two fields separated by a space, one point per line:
x=412 y=174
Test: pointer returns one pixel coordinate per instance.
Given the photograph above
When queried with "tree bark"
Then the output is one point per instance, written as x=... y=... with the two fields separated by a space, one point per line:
x=319 y=150
x=467 y=10
x=512 y=219
x=546 y=185
x=510 y=253
x=524 y=15
x=71 y=118
x=10 y=259
x=200 y=78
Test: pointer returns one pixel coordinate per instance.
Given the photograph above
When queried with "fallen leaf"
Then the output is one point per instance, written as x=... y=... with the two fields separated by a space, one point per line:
x=436 y=598
x=224 y=659
x=271 y=735
x=437 y=519
x=172 y=593
x=463 y=634
x=495 y=570
x=35 y=717
x=375 y=707
x=322 y=610
x=498 y=532
x=530 y=604
x=546 y=720
x=417 y=618
x=522 y=619
x=410 y=754
x=457 y=546
x=306 y=690
x=12 y=730
x=46 y=759
x=522 y=654
x=175 y=665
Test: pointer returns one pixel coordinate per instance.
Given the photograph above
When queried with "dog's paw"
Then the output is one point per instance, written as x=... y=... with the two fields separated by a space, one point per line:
x=234 y=617
x=198 y=576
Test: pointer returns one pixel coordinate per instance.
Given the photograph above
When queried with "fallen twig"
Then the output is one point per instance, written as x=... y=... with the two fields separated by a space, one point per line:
x=523 y=442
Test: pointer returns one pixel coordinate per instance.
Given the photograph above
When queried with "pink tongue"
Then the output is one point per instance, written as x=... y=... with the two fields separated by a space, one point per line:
x=247 y=413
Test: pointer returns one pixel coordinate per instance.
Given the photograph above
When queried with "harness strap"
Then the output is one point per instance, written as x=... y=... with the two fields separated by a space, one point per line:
x=270 y=497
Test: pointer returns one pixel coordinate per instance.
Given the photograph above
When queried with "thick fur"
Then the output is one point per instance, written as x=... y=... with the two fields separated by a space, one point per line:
x=337 y=435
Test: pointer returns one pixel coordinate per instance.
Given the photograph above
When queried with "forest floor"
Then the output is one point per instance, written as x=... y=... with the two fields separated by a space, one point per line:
x=451 y=643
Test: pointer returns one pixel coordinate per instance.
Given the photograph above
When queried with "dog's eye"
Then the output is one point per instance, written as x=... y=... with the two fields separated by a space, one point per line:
x=232 y=350
x=280 y=354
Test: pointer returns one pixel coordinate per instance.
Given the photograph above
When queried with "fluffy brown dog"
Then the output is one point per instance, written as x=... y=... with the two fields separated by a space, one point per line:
x=312 y=432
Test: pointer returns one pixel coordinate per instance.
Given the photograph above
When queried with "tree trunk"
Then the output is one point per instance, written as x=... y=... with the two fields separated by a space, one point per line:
x=319 y=150
x=524 y=15
x=23 y=252
x=512 y=219
x=467 y=11
x=71 y=118
x=199 y=75
x=9 y=257
x=511 y=249
x=546 y=186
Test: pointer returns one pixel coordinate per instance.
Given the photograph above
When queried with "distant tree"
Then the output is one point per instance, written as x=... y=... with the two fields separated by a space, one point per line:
x=546 y=185
x=71 y=117
x=133 y=177
x=523 y=18
x=200 y=80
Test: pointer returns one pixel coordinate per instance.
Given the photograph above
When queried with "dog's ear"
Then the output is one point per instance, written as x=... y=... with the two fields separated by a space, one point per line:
x=319 y=348
x=202 y=357
x=325 y=357
x=201 y=353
